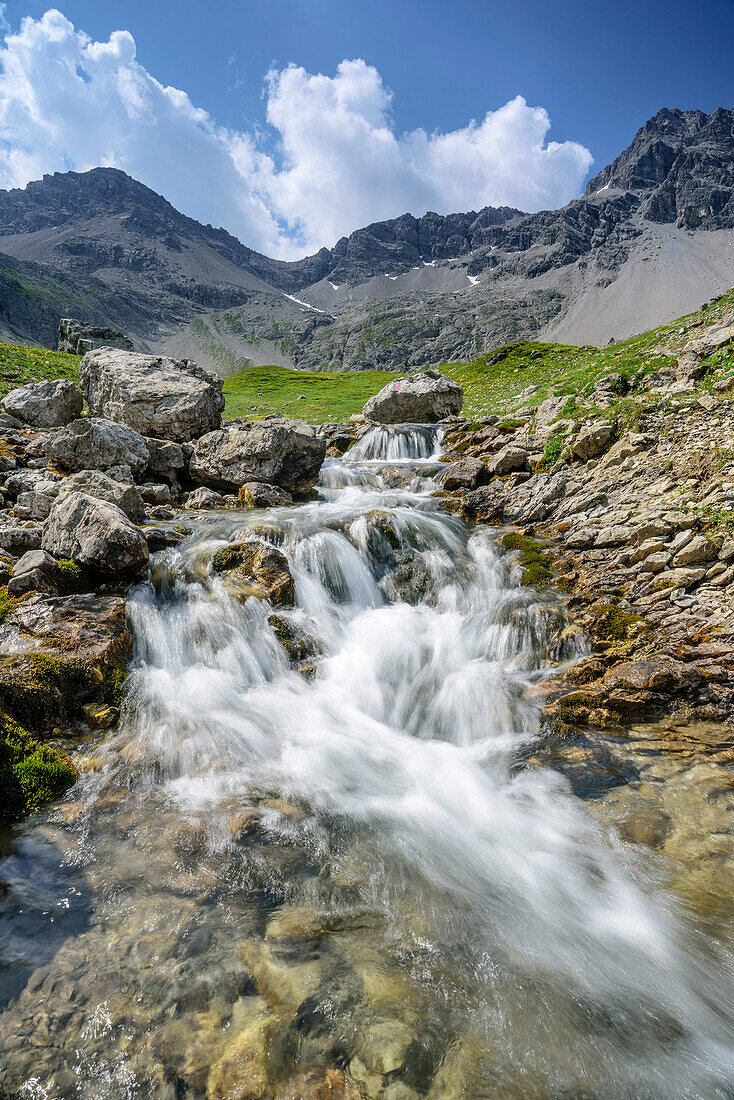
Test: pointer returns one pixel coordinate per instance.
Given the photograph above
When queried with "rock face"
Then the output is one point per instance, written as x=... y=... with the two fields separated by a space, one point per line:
x=45 y=404
x=416 y=399
x=97 y=444
x=170 y=399
x=97 y=484
x=275 y=450
x=95 y=533
x=61 y=652
x=78 y=337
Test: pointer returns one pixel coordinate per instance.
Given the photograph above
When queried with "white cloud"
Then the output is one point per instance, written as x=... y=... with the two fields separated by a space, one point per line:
x=67 y=102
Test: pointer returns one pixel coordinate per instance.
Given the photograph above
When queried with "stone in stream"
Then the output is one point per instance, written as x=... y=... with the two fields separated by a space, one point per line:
x=170 y=399
x=204 y=498
x=256 y=494
x=416 y=399
x=275 y=450
x=255 y=569
x=96 y=444
x=47 y=404
x=96 y=534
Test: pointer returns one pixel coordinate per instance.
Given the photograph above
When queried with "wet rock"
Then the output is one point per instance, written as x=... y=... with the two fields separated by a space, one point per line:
x=159 y=538
x=61 y=652
x=465 y=474
x=204 y=498
x=100 y=716
x=244 y=824
x=276 y=450
x=298 y=643
x=170 y=399
x=255 y=569
x=45 y=404
x=96 y=444
x=97 y=484
x=486 y=504
x=660 y=674
x=416 y=399
x=96 y=534
x=256 y=494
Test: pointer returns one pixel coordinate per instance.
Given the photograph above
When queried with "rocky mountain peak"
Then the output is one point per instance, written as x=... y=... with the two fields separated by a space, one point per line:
x=681 y=163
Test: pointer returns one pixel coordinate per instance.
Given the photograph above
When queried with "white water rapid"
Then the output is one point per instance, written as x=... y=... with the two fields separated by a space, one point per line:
x=437 y=885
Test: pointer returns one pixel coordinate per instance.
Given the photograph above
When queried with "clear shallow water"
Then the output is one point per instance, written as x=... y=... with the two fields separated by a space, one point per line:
x=268 y=878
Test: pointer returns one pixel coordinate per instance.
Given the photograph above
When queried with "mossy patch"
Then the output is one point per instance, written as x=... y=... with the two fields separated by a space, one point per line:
x=614 y=624
x=228 y=558
x=73 y=578
x=8 y=604
x=49 y=689
x=537 y=563
x=31 y=774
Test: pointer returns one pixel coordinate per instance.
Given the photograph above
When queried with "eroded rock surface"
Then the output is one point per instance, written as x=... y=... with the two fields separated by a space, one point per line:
x=45 y=404
x=171 y=399
x=97 y=534
x=276 y=450
x=95 y=443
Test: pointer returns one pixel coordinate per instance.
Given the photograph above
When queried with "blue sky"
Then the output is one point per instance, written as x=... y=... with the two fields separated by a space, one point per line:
x=598 y=70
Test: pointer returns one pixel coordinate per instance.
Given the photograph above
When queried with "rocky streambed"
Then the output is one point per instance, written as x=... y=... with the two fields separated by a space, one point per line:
x=420 y=781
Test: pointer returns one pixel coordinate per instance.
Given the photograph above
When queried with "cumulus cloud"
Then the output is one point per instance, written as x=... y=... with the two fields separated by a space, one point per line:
x=336 y=161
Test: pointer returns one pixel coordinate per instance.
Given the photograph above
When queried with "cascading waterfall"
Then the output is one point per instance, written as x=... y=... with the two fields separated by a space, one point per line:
x=435 y=889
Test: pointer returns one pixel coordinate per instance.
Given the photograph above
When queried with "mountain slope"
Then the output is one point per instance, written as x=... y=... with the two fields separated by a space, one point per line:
x=652 y=236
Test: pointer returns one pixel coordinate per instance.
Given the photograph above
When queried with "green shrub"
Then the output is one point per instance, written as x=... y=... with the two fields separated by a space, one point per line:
x=537 y=564
x=552 y=451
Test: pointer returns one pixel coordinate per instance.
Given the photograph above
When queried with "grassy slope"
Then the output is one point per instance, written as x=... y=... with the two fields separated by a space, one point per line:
x=19 y=365
x=492 y=383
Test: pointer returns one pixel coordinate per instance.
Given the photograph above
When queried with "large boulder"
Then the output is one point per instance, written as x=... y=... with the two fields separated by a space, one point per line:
x=97 y=444
x=276 y=450
x=172 y=399
x=94 y=483
x=45 y=404
x=416 y=399
x=79 y=337
x=95 y=533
